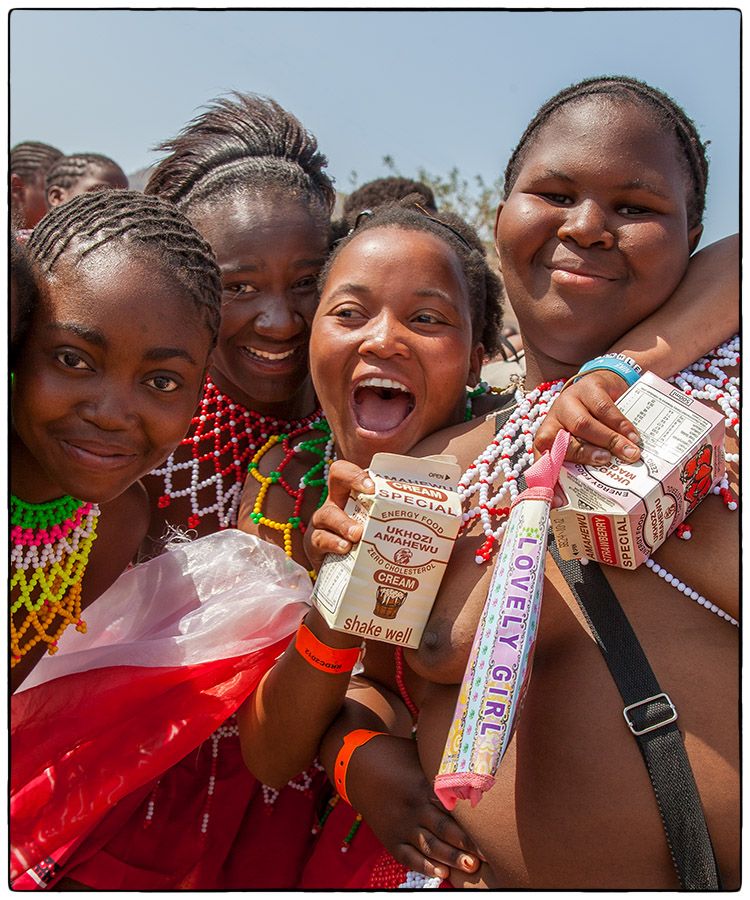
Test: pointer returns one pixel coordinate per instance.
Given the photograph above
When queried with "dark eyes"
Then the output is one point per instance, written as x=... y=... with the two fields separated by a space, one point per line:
x=163 y=383
x=72 y=360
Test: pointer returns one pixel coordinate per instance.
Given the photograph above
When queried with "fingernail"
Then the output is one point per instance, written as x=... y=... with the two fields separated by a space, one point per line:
x=353 y=532
x=634 y=437
x=467 y=862
x=601 y=457
x=367 y=483
x=629 y=452
x=343 y=546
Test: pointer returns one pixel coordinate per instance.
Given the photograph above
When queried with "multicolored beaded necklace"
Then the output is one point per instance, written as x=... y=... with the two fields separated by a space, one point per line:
x=220 y=427
x=510 y=453
x=316 y=476
x=50 y=546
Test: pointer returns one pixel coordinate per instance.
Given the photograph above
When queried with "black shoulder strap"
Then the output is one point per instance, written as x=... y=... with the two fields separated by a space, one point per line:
x=650 y=716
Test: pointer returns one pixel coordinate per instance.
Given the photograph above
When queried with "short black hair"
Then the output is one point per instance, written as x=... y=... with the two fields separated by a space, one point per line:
x=669 y=114
x=383 y=190
x=32 y=158
x=67 y=170
x=239 y=142
x=89 y=221
x=485 y=288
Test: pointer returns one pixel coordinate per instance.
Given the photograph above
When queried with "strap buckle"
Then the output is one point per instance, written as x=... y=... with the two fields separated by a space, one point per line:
x=672 y=714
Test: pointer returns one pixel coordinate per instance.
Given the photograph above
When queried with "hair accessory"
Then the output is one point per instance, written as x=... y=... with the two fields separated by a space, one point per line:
x=333 y=660
x=354 y=739
x=450 y=228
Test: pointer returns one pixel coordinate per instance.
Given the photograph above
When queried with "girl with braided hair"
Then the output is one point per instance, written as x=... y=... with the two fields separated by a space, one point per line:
x=106 y=378
x=29 y=163
x=602 y=212
x=80 y=173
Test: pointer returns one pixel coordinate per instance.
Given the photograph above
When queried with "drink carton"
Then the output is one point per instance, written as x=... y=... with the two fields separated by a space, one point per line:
x=385 y=586
x=619 y=514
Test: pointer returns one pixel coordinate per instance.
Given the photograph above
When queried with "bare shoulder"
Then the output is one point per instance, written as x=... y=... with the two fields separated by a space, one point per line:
x=465 y=441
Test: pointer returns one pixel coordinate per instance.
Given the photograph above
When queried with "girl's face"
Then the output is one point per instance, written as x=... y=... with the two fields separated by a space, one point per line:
x=594 y=235
x=95 y=179
x=391 y=350
x=270 y=253
x=110 y=374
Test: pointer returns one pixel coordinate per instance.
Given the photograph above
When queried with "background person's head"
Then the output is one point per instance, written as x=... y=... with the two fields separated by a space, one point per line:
x=28 y=165
x=251 y=179
x=80 y=173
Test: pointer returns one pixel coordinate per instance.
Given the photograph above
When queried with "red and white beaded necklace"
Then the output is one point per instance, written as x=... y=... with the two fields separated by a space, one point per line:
x=221 y=427
x=510 y=453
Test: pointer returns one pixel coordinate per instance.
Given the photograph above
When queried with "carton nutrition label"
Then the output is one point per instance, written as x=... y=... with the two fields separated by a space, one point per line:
x=668 y=430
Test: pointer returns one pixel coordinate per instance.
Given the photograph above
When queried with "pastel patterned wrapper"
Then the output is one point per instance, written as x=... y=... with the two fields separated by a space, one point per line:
x=497 y=675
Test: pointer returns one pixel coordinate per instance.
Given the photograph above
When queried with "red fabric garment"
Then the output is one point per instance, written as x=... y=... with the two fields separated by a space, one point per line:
x=248 y=844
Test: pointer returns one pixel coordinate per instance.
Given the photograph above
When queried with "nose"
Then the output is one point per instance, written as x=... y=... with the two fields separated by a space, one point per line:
x=278 y=318
x=384 y=336
x=586 y=223
x=113 y=408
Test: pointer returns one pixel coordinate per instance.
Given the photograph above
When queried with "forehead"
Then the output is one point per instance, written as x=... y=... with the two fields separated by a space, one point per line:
x=249 y=224
x=112 y=290
x=394 y=252
x=608 y=135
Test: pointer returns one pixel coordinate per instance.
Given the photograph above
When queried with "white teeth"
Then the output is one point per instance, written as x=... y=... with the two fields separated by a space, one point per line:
x=384 y=383
x=274 y=356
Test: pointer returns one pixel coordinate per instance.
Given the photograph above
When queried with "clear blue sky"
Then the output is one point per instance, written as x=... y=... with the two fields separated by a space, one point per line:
x=435 y=88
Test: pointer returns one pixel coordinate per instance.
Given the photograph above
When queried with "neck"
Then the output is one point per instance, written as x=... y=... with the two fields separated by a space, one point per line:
x=540 y=367
x=300 y=404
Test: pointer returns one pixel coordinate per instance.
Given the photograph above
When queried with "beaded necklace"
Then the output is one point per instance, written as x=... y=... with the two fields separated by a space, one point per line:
x=510 y=453
x=316 y=476
x=220 y=427
x=50 y=546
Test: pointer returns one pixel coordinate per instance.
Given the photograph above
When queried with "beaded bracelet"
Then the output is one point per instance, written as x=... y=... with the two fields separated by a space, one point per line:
x=624 y=366
x=354 y=739
x=328 y=659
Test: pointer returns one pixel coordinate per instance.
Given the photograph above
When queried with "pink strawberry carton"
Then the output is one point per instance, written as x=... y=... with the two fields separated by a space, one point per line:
x=619 y=514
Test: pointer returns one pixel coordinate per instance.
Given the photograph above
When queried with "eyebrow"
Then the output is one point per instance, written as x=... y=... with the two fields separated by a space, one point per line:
x=250 y=267
x=91 y=335
x=634 y=184
x=157 y=354
x=95 y=337
x=351 y=288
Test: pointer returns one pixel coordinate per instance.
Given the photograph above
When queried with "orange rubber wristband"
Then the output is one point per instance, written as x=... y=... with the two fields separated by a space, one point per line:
x=328 y=659
x=354 y=739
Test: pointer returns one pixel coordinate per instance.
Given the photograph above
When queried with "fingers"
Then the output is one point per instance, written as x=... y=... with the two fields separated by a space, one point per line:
x=600 y=430
x=344 y=478
x=434 y=858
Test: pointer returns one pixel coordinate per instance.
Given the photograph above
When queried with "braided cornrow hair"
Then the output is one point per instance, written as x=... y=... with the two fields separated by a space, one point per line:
x=669 y=114
x=242 y=141
x=69 y=169
x=31 y=158
x=485 y=288
x=90 y=221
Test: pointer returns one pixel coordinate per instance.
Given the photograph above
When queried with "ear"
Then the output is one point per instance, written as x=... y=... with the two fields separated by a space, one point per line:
x=55 y=196
x=476 y=359
x=497 y=223
x=17 y=188
x=694 y=235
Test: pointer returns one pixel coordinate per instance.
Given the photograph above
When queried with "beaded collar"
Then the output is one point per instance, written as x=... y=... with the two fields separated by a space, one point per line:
x=222 y=439
x=50 y=546
x=510 y=453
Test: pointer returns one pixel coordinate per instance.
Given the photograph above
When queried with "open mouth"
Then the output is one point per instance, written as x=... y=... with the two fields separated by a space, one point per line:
x=381 y=404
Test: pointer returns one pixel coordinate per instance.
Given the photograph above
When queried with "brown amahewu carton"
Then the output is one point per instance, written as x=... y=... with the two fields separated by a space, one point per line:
x=620 y=513
x=384 y=588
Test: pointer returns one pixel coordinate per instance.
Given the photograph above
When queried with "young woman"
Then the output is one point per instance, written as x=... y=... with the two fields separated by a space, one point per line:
x=604 y=200
x=81 y=173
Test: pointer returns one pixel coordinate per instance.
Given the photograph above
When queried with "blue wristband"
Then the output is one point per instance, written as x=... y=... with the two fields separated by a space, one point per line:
x=626 y=369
